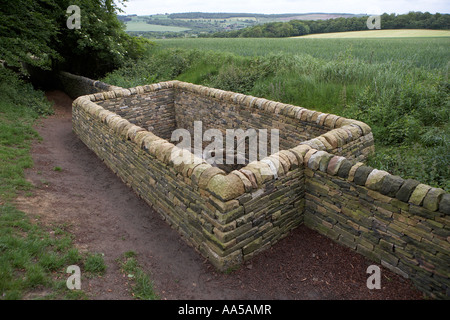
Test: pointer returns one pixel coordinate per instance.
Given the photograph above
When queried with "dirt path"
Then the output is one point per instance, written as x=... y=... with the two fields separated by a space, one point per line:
x=105 y=216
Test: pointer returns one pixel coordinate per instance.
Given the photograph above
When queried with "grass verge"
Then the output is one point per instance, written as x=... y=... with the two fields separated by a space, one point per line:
x=33 y=257
x=141 y=284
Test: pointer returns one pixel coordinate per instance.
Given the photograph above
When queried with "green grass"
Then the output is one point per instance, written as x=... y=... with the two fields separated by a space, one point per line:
x=33 y=257
x=32 y=260
x=18 y=111
x=420 y=52
x=142 y=286
x=397 y=86
x=95 y=264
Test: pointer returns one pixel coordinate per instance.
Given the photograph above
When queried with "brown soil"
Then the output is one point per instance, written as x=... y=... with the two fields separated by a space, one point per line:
x=105 y=216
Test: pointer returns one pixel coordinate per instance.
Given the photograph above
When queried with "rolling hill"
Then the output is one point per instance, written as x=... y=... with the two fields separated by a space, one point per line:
x=214 y=22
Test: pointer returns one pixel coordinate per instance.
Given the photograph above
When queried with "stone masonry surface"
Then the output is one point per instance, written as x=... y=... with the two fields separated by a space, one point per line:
x=318 y=178
x=76 y=86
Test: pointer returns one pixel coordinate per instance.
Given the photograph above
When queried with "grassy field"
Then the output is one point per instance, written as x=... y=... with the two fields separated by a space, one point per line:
x=399 y=86
x=404 y=33
x=421 y=52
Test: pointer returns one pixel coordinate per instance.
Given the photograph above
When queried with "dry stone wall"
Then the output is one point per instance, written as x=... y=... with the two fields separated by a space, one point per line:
x=224 y=110
x=76 y=86
x=401 y=224
x=230 y=217
x=153 y=111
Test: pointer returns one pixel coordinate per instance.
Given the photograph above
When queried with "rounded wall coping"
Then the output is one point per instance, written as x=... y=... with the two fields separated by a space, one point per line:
x=94 y=83
x=228 y=186
x=311 y=154
x=295 y=112
x=212 y=179
x=409 y=191
x=342 y=130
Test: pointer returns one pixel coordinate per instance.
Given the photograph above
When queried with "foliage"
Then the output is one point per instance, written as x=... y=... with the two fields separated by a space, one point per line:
x=235 y=25
x=412 y=20
x=21 y=97
x=101 y=44
x=36 y=32
x=20 y=105
x=163 y=65
x=195 y=24
x=27 y=30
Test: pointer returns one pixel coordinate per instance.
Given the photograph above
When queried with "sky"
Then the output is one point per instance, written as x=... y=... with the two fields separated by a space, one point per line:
x=148 y=7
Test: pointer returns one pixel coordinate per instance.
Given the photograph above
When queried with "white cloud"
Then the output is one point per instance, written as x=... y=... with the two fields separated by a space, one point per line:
x=143 y=7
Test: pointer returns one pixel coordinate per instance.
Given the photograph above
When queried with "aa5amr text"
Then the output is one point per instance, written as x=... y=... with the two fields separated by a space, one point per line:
x=226 y=309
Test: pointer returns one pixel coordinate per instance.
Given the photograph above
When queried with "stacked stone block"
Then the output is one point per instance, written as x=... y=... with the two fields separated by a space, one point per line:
x=230 y=217
x=225 y=109
x=152 y=110
x=398 y=223
x=76 y=86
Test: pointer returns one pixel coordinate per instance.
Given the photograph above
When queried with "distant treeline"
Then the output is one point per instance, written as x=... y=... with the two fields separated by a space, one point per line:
x=224 y=15
x=412 y=20
x=158 y=34
x=125 y=18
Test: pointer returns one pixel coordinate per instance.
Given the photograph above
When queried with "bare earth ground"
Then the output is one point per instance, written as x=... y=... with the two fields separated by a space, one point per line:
x=105 y=216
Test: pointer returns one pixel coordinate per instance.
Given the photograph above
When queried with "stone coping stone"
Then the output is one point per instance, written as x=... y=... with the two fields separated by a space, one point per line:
x=312 y=154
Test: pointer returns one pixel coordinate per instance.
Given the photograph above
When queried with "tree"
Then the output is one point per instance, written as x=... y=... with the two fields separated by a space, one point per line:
x=35 y=32
x=412 y=20
x=27 y=30
x=300 y=28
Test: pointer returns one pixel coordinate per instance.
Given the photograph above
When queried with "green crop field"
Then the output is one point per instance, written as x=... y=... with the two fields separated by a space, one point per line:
x=428 y=52
x=399 y=86
x=401 y=33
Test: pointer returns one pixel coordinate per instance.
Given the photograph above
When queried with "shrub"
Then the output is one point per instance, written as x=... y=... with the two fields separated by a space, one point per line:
x=21 y=94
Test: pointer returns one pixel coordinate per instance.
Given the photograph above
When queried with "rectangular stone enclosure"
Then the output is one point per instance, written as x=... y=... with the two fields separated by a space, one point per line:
x=230 y=213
